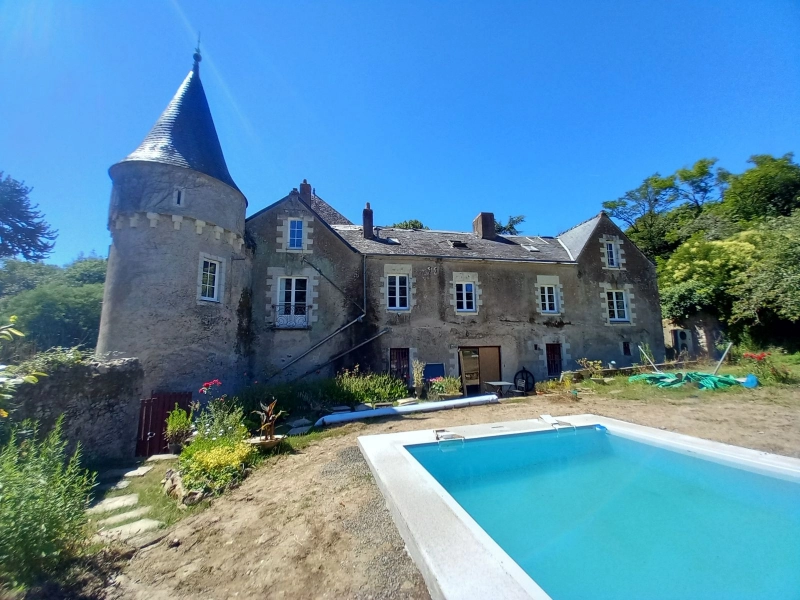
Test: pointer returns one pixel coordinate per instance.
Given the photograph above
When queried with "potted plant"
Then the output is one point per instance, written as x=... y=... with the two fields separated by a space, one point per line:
x=267 y=438
x=179 y=428
x=445 y=388
x=418 y=371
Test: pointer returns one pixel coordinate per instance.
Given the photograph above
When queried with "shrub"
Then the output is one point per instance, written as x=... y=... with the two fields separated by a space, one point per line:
x=179 y=426
x=445 y=385
x=368 y=387
x=762 y=365
x=217 y=457
x=43 y=496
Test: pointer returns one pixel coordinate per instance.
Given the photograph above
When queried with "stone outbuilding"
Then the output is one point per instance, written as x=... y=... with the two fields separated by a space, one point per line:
x=196 y=291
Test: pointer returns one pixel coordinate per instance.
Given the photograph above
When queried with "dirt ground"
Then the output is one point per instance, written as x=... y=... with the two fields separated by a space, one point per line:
x=313 y=524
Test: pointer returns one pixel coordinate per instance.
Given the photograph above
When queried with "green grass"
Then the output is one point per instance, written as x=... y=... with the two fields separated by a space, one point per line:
x=149 y=488
x=296 y=443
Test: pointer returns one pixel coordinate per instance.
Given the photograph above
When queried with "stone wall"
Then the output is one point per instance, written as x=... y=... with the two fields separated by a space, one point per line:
x=99 y=401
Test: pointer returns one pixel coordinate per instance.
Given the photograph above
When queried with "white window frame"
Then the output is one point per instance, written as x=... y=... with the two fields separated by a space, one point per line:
x=470 y=306
x=393 y=288
x=612 y=255
x=546 y=290
x=294 y=319
x=205 y=260
x=290 y=238
x=179 y=197
x=614 y=296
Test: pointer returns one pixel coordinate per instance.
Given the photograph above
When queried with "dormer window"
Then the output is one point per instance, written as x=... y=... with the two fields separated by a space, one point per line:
x=179 y=197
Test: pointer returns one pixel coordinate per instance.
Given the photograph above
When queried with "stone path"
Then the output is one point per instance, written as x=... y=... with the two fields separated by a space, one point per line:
x=130 y=526
x=160 y=457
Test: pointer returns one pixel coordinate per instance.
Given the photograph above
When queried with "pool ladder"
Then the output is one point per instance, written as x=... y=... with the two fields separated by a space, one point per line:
x=448 y=441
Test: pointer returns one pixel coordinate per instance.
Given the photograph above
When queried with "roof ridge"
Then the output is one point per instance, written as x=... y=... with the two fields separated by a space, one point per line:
x=600 y=214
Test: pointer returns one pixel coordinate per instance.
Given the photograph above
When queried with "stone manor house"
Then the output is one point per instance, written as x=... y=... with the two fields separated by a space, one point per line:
x=197 y=291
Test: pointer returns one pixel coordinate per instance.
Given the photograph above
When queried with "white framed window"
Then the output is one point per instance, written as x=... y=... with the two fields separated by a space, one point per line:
x=612 y=257
x=210 y=279
x=465 y=297
x=179 y=197
x=617 y=306
x=397 y=292
x=292 y=309
x=548 y=297
x=295 y=234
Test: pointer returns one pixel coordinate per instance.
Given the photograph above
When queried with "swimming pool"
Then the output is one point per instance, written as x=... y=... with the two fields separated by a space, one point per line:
x=618 y=511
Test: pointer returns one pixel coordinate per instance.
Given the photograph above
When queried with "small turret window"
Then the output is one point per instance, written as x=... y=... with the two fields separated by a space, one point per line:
x=179 y=197
x=209 y=288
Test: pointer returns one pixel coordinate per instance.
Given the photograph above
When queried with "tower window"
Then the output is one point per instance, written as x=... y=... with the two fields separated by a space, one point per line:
x=295 y=234
x=209 y=280
x=179 y=197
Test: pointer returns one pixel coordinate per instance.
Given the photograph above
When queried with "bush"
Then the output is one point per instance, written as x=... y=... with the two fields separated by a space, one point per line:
x=43 y=496
x=179 y=426
x=348 y=387
x=762 y=365
x=217 y=457
x=445 y=385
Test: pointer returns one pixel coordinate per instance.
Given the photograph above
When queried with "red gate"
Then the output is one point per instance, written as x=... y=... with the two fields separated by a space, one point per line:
x=152 y=420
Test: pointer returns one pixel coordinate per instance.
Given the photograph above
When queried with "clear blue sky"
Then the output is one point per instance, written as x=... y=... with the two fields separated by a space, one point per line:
x=429 y=110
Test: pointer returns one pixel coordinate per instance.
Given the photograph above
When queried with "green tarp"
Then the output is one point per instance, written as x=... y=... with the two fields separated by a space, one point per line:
x=704 y=381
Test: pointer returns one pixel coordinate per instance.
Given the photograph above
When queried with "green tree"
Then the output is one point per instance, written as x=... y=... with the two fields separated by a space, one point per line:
x=410 y=224
x=23 y=230
x=771 y=188
x=643 y=209
x=86 y=270
x=771 y=286
x=510 y=227
x=56 y=314
x=19 y=275
x=701 y=183
x=701 y=275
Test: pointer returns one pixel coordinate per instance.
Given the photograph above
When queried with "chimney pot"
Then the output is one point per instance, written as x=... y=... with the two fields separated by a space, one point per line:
x=369 y=231
x=483 y=226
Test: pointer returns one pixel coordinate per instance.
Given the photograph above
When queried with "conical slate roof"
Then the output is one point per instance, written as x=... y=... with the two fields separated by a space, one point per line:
x=184 y=135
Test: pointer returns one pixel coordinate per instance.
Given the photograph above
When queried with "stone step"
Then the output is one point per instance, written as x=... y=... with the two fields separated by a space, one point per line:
x=126 y=516
x=107 y=487
x=128 y=473
x=115 y=503
x=160 y=457
x=129 y=530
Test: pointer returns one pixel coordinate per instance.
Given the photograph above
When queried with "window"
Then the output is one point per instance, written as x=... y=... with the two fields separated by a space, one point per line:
x=295 y=234
x=617 y=307
x=397 y=292
x=292 y=308
x=626 y=348
x=178 y=197
x=209 y=280
x=611 y=255
x=465 y=297
x=548 y=298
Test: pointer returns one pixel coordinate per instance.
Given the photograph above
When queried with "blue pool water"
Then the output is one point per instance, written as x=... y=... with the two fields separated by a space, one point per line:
x=594 y=515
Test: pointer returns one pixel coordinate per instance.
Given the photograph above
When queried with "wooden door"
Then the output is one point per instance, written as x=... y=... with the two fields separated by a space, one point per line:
x=399 y=363
x=490 y=364
x=152 y=420
x=553 y=360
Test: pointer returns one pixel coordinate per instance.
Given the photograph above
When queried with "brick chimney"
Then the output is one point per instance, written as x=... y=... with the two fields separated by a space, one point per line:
x=483 y=226
x=369 y=231
x=305 y=191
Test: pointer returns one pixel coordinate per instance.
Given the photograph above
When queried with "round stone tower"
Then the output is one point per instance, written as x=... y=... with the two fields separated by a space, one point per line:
x=177 y=267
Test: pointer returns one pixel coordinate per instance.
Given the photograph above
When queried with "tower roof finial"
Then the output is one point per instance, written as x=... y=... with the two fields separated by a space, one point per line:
x=197 y=57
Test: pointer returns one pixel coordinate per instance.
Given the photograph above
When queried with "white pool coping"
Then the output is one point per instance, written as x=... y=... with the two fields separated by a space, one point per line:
x=456 y=557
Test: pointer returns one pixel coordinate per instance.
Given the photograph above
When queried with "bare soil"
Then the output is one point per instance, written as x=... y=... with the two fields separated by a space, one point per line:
x=313 y=524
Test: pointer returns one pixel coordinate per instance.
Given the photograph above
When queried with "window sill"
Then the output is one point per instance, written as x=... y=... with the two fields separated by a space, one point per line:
x=294 y=328
x=619 y=322
x=207 y=301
